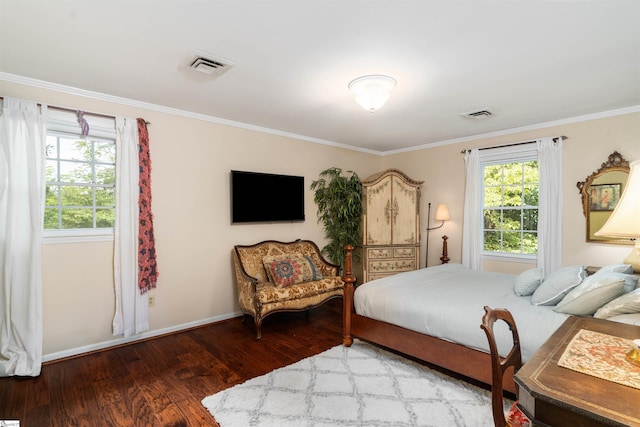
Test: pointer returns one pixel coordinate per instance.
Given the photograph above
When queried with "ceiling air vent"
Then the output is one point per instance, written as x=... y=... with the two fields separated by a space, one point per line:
x=213 y=67
x=479 y=114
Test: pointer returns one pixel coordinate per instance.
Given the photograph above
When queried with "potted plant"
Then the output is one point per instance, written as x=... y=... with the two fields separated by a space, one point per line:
x=339 y=201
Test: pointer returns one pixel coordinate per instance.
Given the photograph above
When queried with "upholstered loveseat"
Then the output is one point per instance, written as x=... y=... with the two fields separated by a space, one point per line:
x=274 y=276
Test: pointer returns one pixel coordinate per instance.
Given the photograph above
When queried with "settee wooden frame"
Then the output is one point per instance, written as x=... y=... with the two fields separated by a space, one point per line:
x=245 y=282
x=461 y=360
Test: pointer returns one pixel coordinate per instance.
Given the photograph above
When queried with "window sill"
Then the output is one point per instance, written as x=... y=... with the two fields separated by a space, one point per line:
x=504 y=257
x=76 y=236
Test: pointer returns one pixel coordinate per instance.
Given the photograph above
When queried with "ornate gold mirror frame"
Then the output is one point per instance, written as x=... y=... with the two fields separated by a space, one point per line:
x=600 y=192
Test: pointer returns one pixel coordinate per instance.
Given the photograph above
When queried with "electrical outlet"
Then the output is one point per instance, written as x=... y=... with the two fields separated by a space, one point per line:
x=152 y=300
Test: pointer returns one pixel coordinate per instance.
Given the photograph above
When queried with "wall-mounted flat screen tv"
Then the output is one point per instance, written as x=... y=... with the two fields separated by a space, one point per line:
x=265 y=197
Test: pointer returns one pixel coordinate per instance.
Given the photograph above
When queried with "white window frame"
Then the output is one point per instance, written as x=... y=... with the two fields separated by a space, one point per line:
x=508 y=154
x=62 y=121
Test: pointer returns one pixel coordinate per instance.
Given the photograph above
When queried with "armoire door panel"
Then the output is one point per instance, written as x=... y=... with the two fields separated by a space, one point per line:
x=405 y=198
x=391 y=224
x=378 y=213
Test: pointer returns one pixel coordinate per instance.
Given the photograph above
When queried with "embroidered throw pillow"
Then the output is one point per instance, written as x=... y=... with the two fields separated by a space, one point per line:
x=629 y=318
x=291 y=270
x=625 y=304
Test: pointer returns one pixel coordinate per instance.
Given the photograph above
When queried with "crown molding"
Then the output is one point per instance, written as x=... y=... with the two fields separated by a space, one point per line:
x=584 y=118
x=13 y=78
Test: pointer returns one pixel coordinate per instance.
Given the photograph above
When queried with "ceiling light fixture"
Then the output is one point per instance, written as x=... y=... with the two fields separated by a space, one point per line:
x=372 y=91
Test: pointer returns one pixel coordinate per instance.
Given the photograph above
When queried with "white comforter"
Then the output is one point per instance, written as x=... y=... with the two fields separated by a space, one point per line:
x=447 y=302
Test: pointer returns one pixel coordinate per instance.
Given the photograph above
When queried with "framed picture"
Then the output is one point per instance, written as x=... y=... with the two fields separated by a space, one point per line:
x=604 y=197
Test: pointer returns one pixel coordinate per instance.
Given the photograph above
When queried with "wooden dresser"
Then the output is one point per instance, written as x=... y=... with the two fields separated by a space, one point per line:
x=391 y=224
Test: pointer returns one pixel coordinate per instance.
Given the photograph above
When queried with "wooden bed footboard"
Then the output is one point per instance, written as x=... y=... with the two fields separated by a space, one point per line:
x=347 y=300
x=445 y=354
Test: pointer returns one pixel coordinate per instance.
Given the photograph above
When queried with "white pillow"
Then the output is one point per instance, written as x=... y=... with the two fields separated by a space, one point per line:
x=631 y=318
x=527 y=282
x=616 y=268
x=625 y=304
x=630 y=281
x=594 y=292
x=557 y=285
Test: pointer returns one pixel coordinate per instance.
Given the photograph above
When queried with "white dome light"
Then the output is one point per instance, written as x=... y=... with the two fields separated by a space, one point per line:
x=372 y=91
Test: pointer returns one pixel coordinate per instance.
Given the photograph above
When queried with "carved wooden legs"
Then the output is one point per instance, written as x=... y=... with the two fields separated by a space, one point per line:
x=258 y=322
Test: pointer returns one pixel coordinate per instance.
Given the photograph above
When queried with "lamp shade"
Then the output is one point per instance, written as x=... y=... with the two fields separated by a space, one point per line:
x=442 y=213
x=625 y=220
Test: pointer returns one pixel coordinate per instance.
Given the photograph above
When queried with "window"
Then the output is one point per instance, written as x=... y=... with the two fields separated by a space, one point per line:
x=80 y=182
x=80 y=178
x=510 y=207
x=513 y=204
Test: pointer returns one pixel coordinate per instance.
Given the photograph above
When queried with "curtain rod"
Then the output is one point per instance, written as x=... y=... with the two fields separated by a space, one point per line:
x=514 y=144
x=75 y=111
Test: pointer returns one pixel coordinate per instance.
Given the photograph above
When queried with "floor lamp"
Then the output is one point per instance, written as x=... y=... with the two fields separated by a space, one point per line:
x=442 y=214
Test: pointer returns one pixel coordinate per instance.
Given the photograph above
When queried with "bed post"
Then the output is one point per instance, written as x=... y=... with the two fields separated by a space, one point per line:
x=347 y=302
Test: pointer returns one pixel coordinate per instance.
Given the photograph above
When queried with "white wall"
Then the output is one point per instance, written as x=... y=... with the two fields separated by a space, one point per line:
x=191 y=161
x=190 y=181
x=588 y=145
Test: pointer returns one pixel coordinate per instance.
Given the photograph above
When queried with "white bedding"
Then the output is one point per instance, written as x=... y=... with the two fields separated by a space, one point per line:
x=447 y=301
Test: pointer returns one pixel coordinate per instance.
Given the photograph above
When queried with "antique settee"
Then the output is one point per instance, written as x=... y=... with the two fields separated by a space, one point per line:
x=274 y=276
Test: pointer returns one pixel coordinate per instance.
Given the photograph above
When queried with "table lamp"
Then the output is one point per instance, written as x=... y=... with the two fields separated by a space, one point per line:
x=624 y=222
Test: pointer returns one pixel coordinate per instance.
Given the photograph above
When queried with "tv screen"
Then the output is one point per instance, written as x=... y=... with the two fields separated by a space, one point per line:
x=264 y=197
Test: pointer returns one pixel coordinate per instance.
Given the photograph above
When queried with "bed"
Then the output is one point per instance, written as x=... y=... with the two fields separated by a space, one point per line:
x=436 y=316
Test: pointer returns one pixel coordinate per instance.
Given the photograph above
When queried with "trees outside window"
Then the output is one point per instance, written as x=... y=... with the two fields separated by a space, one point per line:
x=511 y=207
x=80 y=182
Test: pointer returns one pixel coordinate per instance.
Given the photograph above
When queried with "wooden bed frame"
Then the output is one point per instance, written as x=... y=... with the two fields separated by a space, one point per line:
x=454 y=357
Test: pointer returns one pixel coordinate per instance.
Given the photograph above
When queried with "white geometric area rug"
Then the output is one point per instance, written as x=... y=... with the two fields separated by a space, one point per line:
x=361 y=385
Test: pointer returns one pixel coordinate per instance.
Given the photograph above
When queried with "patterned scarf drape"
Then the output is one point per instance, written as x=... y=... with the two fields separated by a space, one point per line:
x=84 y=125
x=148 y=274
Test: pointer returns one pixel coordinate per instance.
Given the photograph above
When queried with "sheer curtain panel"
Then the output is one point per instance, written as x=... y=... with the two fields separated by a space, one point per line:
x=22 y=161
x=472 y=222
x=549 y=156
x=550 y=205
x=131 y=314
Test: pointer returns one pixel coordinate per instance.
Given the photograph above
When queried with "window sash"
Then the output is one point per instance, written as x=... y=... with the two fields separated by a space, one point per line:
x=63 y=124
x=501 y=157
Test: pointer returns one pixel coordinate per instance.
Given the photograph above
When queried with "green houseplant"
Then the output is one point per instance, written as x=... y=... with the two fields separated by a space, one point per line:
x=339 y=201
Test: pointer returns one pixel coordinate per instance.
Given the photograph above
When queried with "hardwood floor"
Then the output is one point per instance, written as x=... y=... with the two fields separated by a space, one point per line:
x=161 y=381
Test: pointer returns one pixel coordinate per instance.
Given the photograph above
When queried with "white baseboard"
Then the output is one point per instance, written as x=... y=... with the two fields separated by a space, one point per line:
x=145 y=335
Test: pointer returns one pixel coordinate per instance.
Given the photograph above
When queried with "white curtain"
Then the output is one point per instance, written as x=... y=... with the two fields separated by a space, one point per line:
x=549 y=155
x=22 y=162
x=131 y=314
x=472 y=222
x=550 y=205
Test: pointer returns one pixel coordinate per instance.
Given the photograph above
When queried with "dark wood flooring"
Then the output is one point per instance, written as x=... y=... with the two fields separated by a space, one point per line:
x=161 y=381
